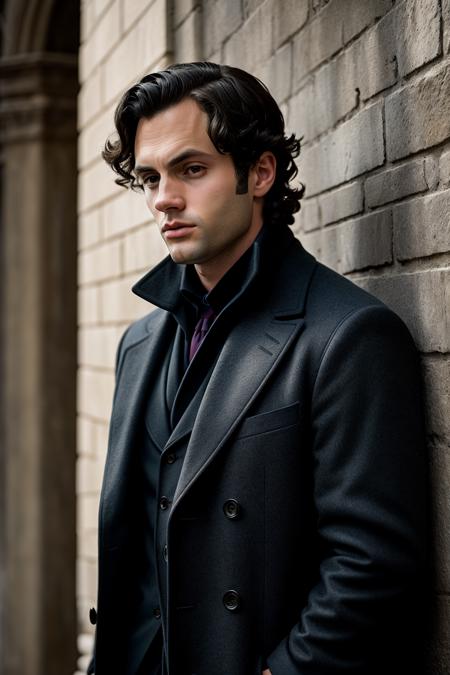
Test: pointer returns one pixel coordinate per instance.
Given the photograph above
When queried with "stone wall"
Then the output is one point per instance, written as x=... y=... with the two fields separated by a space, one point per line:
x=367 y=85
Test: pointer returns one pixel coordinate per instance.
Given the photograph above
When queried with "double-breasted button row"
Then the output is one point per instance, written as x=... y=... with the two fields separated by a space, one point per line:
x=232 y=601
x=157 y=613
x=232 y=509
x=164 y=503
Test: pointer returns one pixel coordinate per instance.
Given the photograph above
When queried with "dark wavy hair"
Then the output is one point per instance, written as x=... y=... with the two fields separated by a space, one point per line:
x=244 y=121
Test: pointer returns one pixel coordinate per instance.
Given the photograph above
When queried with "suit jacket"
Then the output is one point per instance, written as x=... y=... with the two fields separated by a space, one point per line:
x=297 y=530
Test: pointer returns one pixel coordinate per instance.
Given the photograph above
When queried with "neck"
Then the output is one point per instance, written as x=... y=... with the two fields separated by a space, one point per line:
x=211 y=272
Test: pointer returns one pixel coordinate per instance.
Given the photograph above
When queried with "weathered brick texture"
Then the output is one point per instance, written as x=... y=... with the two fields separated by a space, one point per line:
x=367 y=86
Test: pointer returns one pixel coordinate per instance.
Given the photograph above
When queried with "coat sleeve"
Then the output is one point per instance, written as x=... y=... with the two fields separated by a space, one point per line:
x=118 y=363
x=370 y=503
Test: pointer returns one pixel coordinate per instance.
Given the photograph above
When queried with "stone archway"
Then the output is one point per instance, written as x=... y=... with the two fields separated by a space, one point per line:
x=38 y=80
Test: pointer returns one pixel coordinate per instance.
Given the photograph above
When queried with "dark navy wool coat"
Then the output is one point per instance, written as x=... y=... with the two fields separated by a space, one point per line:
x=297 y=530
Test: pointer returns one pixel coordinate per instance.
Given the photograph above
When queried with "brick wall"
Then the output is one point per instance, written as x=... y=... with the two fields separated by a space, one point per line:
x=367 y=85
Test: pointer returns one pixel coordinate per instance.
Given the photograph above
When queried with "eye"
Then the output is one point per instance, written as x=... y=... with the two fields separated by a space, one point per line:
x=150 y=180
x=195 y=170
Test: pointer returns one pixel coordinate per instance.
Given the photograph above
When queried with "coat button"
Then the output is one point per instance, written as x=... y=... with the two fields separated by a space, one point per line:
x=157 y=613
x=163 y=503
x=93 y=616
x=165 y=553
x=232 y=509
x=170 y=458
x=232 y=601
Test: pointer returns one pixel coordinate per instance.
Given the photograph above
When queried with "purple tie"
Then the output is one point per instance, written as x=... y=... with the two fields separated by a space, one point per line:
x=201 y=328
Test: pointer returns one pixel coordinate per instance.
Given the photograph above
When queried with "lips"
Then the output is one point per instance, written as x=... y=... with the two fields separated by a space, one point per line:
x=177 y=229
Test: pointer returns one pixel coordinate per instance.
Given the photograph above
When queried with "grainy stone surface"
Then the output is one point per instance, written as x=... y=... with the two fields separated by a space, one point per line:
x=436 y=374
x=372 y=58
x=288 y=19
x=418 y=116
x=422 y=226
x=352 y=149
x=440 y=480
x=188 y=38
x=422 y=300
x=417 y=31
x=277 y=73
x=396 y=183
x=309 y=217
x=444 y=168
x=220 y=20
x=341 y=203
x=251 y=45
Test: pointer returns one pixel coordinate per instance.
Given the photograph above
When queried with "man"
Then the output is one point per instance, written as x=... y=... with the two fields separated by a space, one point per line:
x=263 y=504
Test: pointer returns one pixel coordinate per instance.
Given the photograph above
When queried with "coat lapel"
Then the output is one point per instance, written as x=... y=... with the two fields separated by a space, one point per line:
x=249 y=357
x=246 y=362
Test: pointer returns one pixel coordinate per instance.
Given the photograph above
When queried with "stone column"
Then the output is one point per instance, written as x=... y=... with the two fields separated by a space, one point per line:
x=38 y=281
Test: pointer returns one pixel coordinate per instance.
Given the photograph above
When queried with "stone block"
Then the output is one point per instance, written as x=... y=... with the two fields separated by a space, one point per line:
x=309 y=216
x=341 y=203
x=91 y=140
x=331 y=94
x=88 y=483
x=141 y=50
x=421 y=299
x=182 y=9
x=446 y=25
x=355 y=244
x=288 y=18
x=436 y=375
x=276 y=73
x=144 y=248
x=86 y=572
x=318 y=41
x=418 y=115
x=95 y=185
x=358 y=15
x=396 y=183
x=251 y=45
x=101 y=431
x=444 y=169
x=97 y=346
x=100 y=263
x=89 y=229
x=372 y=58
x=119 y=304
x=354 y=148
x=417 y=30
x=133 y=11
x=188 y=39
x=89 y=98
x=87 y=546
x=100 y=6
x=126 y=211
x=422 y=226
x=300 y=118
x=220 y=20
x=85 y=436
x=103 y=38
x=87 y=512
x=87 y=20
x=88 y=305
x=330 y=30
x=440 y=497
x=95 y=390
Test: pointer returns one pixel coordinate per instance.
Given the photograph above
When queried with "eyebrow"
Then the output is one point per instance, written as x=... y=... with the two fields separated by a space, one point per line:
x=182 y=157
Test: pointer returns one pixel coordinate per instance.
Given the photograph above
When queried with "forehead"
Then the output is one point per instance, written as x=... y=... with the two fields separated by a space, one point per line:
x=169 y=132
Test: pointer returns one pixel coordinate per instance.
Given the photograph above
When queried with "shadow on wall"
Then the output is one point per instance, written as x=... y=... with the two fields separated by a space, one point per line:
x=377 y=208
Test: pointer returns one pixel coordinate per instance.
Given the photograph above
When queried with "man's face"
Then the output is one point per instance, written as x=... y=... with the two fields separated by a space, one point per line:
x=190 y=188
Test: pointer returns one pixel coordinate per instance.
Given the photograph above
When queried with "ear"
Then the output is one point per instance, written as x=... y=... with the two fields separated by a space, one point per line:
x=263 y=174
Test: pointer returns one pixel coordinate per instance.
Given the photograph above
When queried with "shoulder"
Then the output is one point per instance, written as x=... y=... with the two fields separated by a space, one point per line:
x=138 y=331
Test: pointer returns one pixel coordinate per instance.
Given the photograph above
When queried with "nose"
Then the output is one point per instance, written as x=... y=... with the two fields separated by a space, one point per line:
x=169 y=196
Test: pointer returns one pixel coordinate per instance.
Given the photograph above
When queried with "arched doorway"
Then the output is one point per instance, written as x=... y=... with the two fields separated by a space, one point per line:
x=38 y=80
